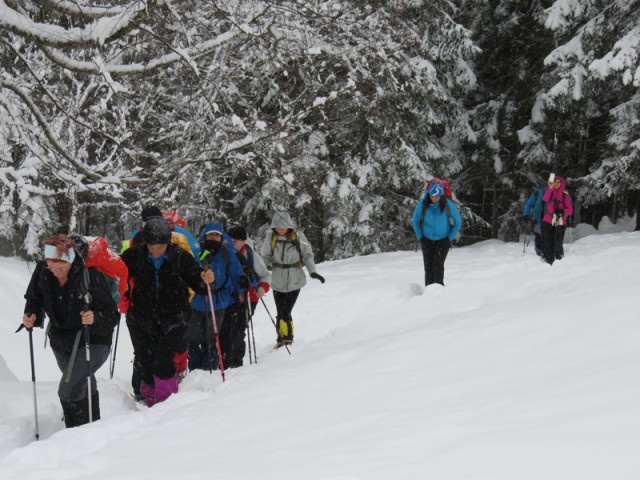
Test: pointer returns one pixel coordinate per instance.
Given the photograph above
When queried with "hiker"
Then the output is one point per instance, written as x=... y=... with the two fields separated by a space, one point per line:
x=136 y=237
x=75 y=299
x=255 y=283
x=287 y=250
x=182 y=239
x=161 y=274
x=178 y=237
x=532 y=215
x=218 y=254
x=555 y=218
x=436 y=222
x=178 y=224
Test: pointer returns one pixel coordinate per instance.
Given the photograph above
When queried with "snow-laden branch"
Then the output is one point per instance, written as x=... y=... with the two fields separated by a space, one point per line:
x=624 y=56
x=42 y=122
x=59 y=104
x=78 y=9
x=94 y=34
x=138 y=68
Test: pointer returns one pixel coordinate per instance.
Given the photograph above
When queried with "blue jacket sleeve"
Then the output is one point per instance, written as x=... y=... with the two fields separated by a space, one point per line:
x=457 y=220
x=417 y=213
x=529 y=205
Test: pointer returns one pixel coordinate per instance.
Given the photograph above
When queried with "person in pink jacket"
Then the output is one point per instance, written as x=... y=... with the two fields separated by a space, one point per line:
x=558 y=207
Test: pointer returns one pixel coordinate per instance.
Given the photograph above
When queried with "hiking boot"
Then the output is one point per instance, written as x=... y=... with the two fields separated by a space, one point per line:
x=139 y=398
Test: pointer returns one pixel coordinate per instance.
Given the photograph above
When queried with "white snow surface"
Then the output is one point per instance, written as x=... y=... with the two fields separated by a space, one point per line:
x=514 y=370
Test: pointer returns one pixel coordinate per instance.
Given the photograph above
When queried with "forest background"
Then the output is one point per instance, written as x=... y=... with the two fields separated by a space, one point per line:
x=337 y=111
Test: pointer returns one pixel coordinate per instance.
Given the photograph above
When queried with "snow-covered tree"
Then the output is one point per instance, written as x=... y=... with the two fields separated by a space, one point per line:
x=334 y=110
x=586 y=116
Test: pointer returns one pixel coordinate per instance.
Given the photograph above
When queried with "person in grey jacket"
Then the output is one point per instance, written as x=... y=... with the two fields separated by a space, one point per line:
x=287 y=250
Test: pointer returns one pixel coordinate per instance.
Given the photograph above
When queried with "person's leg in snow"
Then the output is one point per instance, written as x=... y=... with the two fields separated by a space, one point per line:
x=285 y=301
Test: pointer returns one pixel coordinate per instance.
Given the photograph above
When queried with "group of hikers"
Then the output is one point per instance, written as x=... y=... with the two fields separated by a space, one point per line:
x=547 y=212
x=187 y=301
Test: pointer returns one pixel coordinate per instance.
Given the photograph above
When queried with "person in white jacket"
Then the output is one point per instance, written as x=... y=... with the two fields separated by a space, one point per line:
x=287 y=250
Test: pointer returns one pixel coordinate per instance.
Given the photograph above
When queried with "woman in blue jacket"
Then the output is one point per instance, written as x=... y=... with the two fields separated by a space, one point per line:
x=219 y=254
x=436 y=222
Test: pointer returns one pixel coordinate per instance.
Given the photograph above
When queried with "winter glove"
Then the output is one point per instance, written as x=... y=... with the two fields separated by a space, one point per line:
x=317 y=276
x=423 y=241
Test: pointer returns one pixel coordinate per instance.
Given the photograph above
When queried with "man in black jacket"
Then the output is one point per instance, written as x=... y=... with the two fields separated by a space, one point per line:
x=160 y=275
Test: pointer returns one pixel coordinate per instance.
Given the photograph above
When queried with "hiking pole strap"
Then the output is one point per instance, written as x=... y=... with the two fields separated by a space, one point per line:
x=72 y=361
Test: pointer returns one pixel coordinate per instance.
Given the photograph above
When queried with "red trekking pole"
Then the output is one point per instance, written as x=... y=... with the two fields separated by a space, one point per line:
x=215 y=329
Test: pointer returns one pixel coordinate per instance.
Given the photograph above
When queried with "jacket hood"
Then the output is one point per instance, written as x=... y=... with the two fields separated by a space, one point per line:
x=282 y=220
x=211 y=227
x=562 y=183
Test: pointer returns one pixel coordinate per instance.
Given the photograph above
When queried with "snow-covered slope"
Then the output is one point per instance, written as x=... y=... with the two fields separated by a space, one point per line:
x=514 y=370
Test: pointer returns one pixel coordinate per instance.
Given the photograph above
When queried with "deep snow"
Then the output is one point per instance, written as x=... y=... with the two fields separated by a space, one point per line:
x=514 y=370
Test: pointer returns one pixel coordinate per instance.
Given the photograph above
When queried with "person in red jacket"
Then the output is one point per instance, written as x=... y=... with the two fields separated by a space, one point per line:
x=558 y=209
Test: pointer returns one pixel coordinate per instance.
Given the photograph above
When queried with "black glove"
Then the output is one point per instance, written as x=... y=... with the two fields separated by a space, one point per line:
x=317 y=276
x=423 y=241
x=243 y=283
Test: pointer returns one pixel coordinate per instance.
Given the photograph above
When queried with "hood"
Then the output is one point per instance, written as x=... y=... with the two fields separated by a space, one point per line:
x=562 y=183
x=282 y=220
x=211 y=227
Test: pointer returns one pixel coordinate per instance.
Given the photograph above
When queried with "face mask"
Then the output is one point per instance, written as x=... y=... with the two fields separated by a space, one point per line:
x=212 y=246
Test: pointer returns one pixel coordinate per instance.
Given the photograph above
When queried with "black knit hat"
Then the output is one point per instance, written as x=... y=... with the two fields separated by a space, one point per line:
x=150 y=211
x=237 y=233
x=156 y=231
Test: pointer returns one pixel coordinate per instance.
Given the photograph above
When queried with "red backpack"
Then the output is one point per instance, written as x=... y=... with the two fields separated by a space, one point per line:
x=109 y=263
x=445 y=184
x=174 y=218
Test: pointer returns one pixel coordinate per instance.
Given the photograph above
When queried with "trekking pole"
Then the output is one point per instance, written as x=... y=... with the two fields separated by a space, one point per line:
x=250 y=335
x=88 y=352
x=33 y=382
x=570 y=227
x=112 y=365
x=274 y=322
x=526 y=240
x=253 y=338
x=215 y=328
x=248 y=328
x=33 y=375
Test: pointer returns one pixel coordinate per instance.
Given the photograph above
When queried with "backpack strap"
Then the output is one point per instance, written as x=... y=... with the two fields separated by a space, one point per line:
x=85 y=284
x=292 y=238
x=247 y=263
